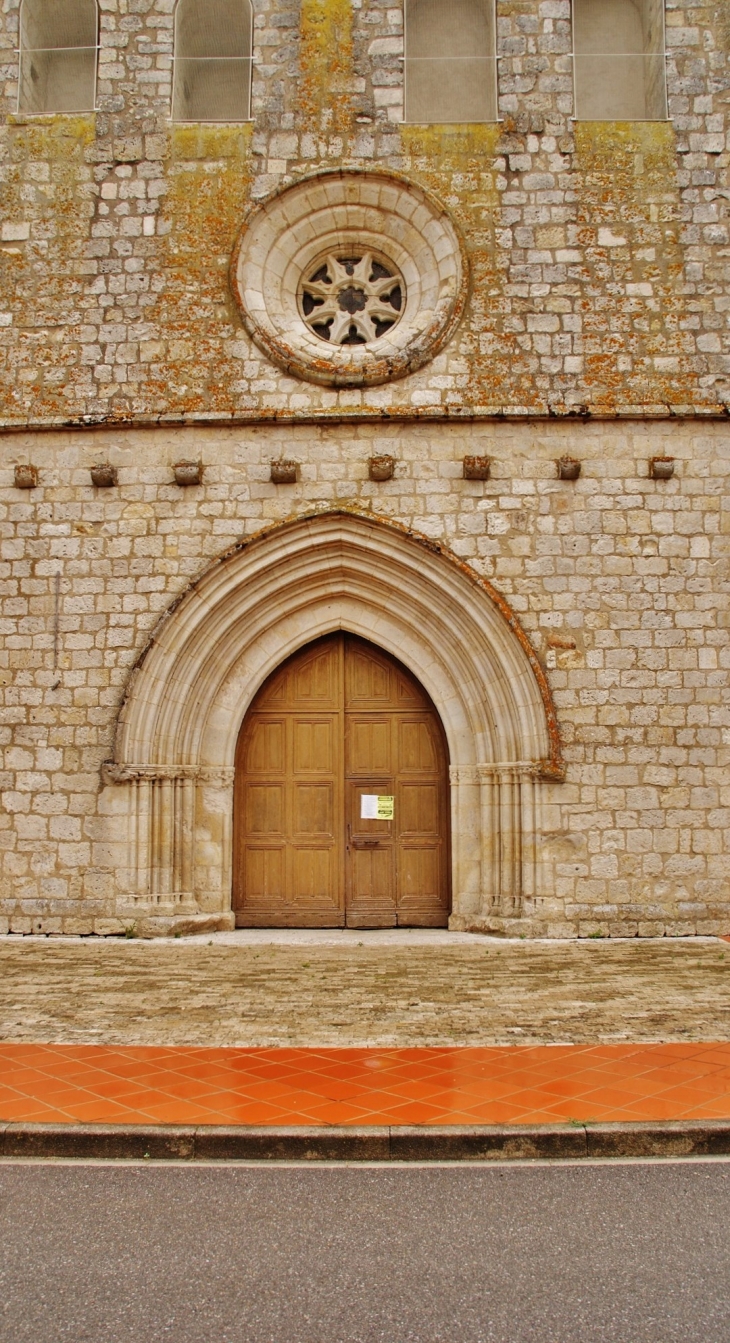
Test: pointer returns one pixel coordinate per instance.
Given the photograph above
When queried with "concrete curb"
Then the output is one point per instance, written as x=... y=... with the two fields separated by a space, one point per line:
x=171 y=1142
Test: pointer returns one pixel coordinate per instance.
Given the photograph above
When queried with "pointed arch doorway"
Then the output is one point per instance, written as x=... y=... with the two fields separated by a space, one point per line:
x=341 y=795
x=171 y=781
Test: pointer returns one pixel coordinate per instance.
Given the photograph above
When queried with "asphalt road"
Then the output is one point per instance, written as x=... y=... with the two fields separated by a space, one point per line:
x=137 y=1254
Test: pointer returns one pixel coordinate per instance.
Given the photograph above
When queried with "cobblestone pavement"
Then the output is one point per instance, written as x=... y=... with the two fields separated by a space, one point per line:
x=378 y=993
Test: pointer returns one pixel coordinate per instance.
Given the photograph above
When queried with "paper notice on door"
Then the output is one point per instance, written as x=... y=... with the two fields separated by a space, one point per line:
x=377 y=807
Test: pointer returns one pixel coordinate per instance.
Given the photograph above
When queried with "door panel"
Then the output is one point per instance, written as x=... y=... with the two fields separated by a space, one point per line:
x=416 y=747
x=419 y=810
x=313 y=878
x=394 y=745
x=420 y=868
x=338 y=721
x=371 y=890
x=264 y=874
x=370 y=745
x=266 y=809
x=266 y=747
x=373 y=885
x=367 y=682
x=314 y=746
x=408 y=694
x=316 y=681
x=288 y=831
x=313 y=810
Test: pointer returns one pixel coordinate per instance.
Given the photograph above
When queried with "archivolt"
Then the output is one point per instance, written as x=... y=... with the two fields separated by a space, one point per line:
x=267 y=597
x=262 y=601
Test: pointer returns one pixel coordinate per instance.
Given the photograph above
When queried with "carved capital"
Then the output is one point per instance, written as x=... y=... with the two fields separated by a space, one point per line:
x=215 y=776
x=522 y=769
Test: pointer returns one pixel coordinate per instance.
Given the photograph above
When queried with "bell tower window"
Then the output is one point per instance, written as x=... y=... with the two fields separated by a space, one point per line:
x=620 y=72
x=58 y=49
x=213 y=46
x=450 y=61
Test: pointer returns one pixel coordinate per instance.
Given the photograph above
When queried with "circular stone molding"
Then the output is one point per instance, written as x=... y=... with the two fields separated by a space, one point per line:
x=349 y=279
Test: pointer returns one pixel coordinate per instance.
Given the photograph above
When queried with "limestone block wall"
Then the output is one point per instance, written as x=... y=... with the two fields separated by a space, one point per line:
x=620 y=583
x=595 y=324
x=597 y=250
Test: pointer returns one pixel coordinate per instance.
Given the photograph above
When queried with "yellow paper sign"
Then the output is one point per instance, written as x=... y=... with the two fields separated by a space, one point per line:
x=377 y=807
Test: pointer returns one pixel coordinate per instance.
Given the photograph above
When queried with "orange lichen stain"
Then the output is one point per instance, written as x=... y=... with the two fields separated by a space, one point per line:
x=450 y=149
x=52 y=136
x=209 y=190
x=629 y=165
x=42 y=278
x=632 y=302
x=327 y=65
x=457 y=164
x=211 y=142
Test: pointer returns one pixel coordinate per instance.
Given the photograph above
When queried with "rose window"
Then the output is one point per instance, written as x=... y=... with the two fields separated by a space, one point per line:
x=351 y=300
x=349 y=279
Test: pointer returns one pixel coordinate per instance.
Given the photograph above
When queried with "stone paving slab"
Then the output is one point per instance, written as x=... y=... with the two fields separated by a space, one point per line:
x=365 y=994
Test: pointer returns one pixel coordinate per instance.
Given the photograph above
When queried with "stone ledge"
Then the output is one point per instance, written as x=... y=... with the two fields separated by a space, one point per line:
x=405 y=413
x=507 y=1142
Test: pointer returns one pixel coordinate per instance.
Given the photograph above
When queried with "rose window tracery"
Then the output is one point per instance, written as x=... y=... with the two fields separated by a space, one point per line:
x=349 y=278
x=352 y=300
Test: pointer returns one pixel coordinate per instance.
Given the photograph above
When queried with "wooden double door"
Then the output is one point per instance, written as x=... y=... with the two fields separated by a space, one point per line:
x=341 y=796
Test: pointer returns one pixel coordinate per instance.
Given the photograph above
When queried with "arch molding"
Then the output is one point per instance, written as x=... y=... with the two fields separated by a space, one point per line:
x=257 y=605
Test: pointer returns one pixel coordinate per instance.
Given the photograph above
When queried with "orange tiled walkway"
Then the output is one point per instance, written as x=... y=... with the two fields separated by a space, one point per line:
x=512 y=1085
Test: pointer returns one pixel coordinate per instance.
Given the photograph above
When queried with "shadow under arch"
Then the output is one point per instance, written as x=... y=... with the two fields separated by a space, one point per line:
x=256 y=605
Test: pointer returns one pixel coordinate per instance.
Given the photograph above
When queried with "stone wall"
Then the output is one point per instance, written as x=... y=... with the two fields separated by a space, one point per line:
x=595 y=326
x=620 y=582
x=597 y=250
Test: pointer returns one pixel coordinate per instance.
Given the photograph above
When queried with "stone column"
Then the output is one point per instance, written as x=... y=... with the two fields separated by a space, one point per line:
x=466 y=844
x=509 y=799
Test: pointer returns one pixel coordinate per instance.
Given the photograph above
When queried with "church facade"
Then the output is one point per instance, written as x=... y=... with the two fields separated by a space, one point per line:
x=364 y=490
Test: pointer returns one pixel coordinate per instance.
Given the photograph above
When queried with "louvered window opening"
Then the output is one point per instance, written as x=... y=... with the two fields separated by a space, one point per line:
x=213 y=53
x=450 y=61
x=619 y=60
x=58 y=56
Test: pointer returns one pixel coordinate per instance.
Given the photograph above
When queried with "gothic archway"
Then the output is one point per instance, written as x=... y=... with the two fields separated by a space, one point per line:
x=256 y=606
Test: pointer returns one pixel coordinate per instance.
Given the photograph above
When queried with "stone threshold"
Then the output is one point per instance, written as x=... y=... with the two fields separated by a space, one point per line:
x=508 y=1142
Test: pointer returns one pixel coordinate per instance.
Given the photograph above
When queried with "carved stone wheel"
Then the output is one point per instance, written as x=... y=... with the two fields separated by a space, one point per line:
x=349 y=279
x=352 y=300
